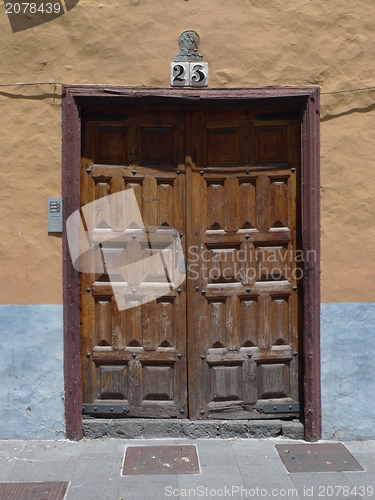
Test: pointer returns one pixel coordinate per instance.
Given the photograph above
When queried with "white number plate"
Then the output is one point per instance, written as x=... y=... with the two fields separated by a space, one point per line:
x=184 y=74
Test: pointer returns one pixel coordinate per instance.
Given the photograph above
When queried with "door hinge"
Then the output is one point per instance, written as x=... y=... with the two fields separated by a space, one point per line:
x=279 y=408
x=182 y=266
x=104 y=409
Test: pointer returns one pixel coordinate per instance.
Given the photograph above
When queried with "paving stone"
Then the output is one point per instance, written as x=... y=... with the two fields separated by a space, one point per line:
x=10 y=454
x=261 y=469
x=12 y=448
x=6 y=467
x=266 y=476
x=364 y=452
x=270 y=486
x=212 y=477
x=105 y=445
x=147 y=487
x=96 y=477
x=363 y=483
x=215 y=452
x=94 y=468
x=52 y=450
x=32 y=470
x=321 y=485
x=360 y=446
x=367 y=460
x=254 y=448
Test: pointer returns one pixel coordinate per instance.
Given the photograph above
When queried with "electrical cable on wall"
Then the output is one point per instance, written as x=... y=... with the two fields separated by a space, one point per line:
x=360 y=89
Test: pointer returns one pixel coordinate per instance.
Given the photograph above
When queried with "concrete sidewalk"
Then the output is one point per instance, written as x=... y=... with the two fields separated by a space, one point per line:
x=232 y=468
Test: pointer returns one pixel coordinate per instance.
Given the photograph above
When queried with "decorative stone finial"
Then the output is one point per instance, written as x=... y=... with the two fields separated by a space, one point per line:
x=189 y=44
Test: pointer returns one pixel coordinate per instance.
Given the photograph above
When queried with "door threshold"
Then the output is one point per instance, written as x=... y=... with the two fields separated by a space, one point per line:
x=139 y=428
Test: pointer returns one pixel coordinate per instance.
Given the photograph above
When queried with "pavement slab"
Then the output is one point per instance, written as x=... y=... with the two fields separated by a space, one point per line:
x=322 y=485
x=10 y=454
x=229 y=468
x=147 y=487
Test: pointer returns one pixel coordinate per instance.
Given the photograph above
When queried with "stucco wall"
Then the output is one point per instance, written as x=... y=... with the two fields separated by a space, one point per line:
x=246 y=43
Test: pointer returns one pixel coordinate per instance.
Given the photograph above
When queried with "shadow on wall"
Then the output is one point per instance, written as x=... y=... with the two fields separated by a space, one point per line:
x=23 y=16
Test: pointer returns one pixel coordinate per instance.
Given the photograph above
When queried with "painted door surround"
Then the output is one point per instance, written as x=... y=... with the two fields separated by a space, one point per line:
x=291 y=99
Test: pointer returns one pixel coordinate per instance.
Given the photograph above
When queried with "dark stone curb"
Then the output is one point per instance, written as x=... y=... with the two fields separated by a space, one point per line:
x=138 y=428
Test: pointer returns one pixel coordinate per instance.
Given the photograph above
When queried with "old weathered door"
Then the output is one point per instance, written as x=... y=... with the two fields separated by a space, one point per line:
x=242 y=240
x=134 y=359
x=226 y=340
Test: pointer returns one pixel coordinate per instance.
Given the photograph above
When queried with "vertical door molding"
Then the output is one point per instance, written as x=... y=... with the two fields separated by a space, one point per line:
x=71 y=188
x=307 y=99
x=310 y=207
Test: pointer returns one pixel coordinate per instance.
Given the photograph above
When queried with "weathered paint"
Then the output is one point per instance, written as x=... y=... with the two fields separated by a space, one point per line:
x=31 y=372
x=246 y=43
x=348 y=370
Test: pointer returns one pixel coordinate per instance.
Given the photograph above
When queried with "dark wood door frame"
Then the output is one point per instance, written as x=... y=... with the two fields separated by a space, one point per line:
x=305 y=100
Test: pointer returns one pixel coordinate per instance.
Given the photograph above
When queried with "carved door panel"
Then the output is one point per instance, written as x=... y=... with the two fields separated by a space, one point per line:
x=133 y=348
x=242 y=240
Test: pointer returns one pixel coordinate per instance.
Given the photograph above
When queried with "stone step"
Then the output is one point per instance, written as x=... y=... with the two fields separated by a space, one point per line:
x=138 y=428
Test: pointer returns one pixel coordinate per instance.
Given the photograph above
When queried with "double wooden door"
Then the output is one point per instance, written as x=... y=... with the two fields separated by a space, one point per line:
x=224 y=343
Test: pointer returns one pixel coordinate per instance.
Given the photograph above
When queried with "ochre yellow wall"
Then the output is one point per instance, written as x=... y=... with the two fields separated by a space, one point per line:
x=246 y=43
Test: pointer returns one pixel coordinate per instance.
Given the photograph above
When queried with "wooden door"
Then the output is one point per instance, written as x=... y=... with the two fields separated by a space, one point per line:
x=234 y=322
x=134 y=360
x=242 y=240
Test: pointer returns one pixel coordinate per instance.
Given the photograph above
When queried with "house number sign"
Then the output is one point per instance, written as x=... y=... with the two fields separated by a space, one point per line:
x=188 y=68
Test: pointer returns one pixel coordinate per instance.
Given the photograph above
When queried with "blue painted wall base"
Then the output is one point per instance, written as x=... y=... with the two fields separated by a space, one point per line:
x=348 y=370
x=31 y=372
x=32 y=382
